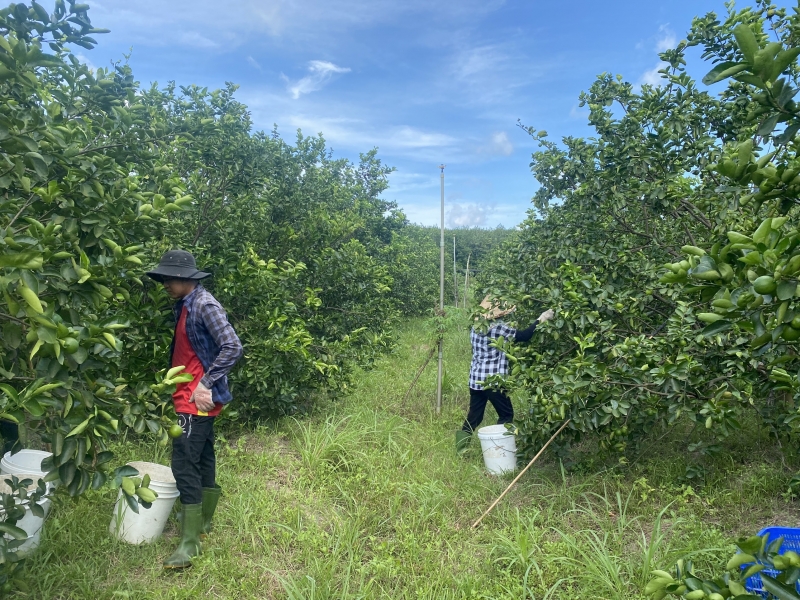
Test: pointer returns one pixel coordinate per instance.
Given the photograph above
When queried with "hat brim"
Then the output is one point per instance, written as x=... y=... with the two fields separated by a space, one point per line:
x=161 y=273
x=497 y=313
x=494 y=312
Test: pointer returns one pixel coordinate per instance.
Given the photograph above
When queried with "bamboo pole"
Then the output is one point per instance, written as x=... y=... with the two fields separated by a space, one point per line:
x=521 y=473
x=441 y=301
x=466 y=280
x=455 y=277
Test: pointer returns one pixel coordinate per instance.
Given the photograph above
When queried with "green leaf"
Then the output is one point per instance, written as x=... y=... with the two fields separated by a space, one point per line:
x=786 y=290
x=717 y=327
x=80 y=356
x=98 y=480
x=749 y=78
x=12 y=335
x=29 y=259
x=778 y=589
x=761 y=340
x=31 y=281
x=782 y=62
x=788 y=134
x=723 y=71
x=34 y=408
x=752 y=570
x=46 y=335
x=35 y=160
x=746 y=40
x=768 y=126
x=13 y=531
x=124 y=471
x=133 y=504
x=9 y=391
x=81 y=427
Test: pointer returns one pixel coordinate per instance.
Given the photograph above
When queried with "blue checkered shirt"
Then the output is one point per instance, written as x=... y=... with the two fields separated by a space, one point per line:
x=486 y=359
x=212 y=338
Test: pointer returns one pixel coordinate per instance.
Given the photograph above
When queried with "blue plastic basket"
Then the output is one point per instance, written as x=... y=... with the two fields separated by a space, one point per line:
x=791 y=541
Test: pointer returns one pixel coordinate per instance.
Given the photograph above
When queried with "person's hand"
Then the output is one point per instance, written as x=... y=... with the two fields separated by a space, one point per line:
x=202 y=398
x=546 y=315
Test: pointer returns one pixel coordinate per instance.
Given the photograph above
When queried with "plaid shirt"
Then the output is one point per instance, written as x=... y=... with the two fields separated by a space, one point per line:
x=486 y=359
x=212 y=338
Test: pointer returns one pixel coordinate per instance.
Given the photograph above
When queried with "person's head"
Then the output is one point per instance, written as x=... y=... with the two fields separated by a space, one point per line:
x=178 y=287
x=177 y=271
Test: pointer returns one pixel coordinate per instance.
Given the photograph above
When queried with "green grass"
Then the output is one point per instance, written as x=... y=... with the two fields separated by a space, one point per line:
x=366 y=499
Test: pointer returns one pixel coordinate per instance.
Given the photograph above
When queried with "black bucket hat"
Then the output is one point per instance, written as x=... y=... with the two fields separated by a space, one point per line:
x=177 y=264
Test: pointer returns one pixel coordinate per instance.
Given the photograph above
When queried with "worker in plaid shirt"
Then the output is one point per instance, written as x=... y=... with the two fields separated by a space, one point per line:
x=487 y=360
x=207 y=347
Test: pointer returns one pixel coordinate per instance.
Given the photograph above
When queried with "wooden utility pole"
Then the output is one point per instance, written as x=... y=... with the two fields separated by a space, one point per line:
x=441 y=300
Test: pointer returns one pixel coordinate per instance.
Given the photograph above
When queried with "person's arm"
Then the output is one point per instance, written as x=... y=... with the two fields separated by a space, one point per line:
x=230 y=348
x=524 y=335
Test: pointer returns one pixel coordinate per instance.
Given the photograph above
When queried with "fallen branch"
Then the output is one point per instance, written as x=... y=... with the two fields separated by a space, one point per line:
x=521 y=473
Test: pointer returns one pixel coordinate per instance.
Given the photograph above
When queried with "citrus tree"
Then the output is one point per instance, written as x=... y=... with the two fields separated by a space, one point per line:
x=666 y=266
x=73 y=220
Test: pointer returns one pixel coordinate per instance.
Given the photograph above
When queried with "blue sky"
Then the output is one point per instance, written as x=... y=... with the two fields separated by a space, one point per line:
x=425 y=82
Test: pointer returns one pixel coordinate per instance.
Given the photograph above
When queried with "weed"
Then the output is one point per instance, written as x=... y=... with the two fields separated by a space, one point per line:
x=360 y=502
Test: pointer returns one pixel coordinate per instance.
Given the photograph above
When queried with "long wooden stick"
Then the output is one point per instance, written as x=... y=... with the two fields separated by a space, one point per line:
x=521 y=473
x=419 y=373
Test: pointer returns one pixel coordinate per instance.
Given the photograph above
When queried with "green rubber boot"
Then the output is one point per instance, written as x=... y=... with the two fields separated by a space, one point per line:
x=462 y=441
x=210 y=499
x=191 y=526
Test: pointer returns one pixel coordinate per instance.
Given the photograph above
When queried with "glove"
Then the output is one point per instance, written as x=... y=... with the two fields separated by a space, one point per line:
x=546 y=315
x=202 y=398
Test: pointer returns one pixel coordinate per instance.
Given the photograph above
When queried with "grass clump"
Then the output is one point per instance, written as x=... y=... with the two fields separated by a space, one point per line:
x=366 y=499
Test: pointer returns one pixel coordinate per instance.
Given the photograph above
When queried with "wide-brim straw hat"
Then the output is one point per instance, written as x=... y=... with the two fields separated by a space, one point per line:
x=177 y=264
x=493 y=310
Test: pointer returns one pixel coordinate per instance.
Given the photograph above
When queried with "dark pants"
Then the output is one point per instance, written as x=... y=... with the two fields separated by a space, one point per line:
x=477 y=405
x=193 y=462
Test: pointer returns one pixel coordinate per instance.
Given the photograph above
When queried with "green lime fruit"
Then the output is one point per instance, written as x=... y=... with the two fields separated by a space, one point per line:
x=619 y=306
x=71 y=345
x=175 y=431
x=796 y=323
x=790 y=334
x=765 y=285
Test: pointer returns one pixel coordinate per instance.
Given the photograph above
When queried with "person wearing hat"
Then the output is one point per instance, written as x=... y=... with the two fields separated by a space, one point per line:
x=207 y=346
x=487 y=360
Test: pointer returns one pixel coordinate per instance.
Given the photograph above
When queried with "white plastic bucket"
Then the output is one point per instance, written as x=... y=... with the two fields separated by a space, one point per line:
x=148 y=525
x=499 y=449
x=30 y=523
x=28 y=462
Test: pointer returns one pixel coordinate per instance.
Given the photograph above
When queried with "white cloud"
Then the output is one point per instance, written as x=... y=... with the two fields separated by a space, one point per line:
x=197 y=40
x=254 y=63
x=320 y=73
x=653 y=77
x=468 y=215
x=486 y=75
x=501 y=144
x=667 y=41
x=424 y=209
x=82 y=58
x=579 y=112
x=358 y=134
x=478 y=61
x=152 y=22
